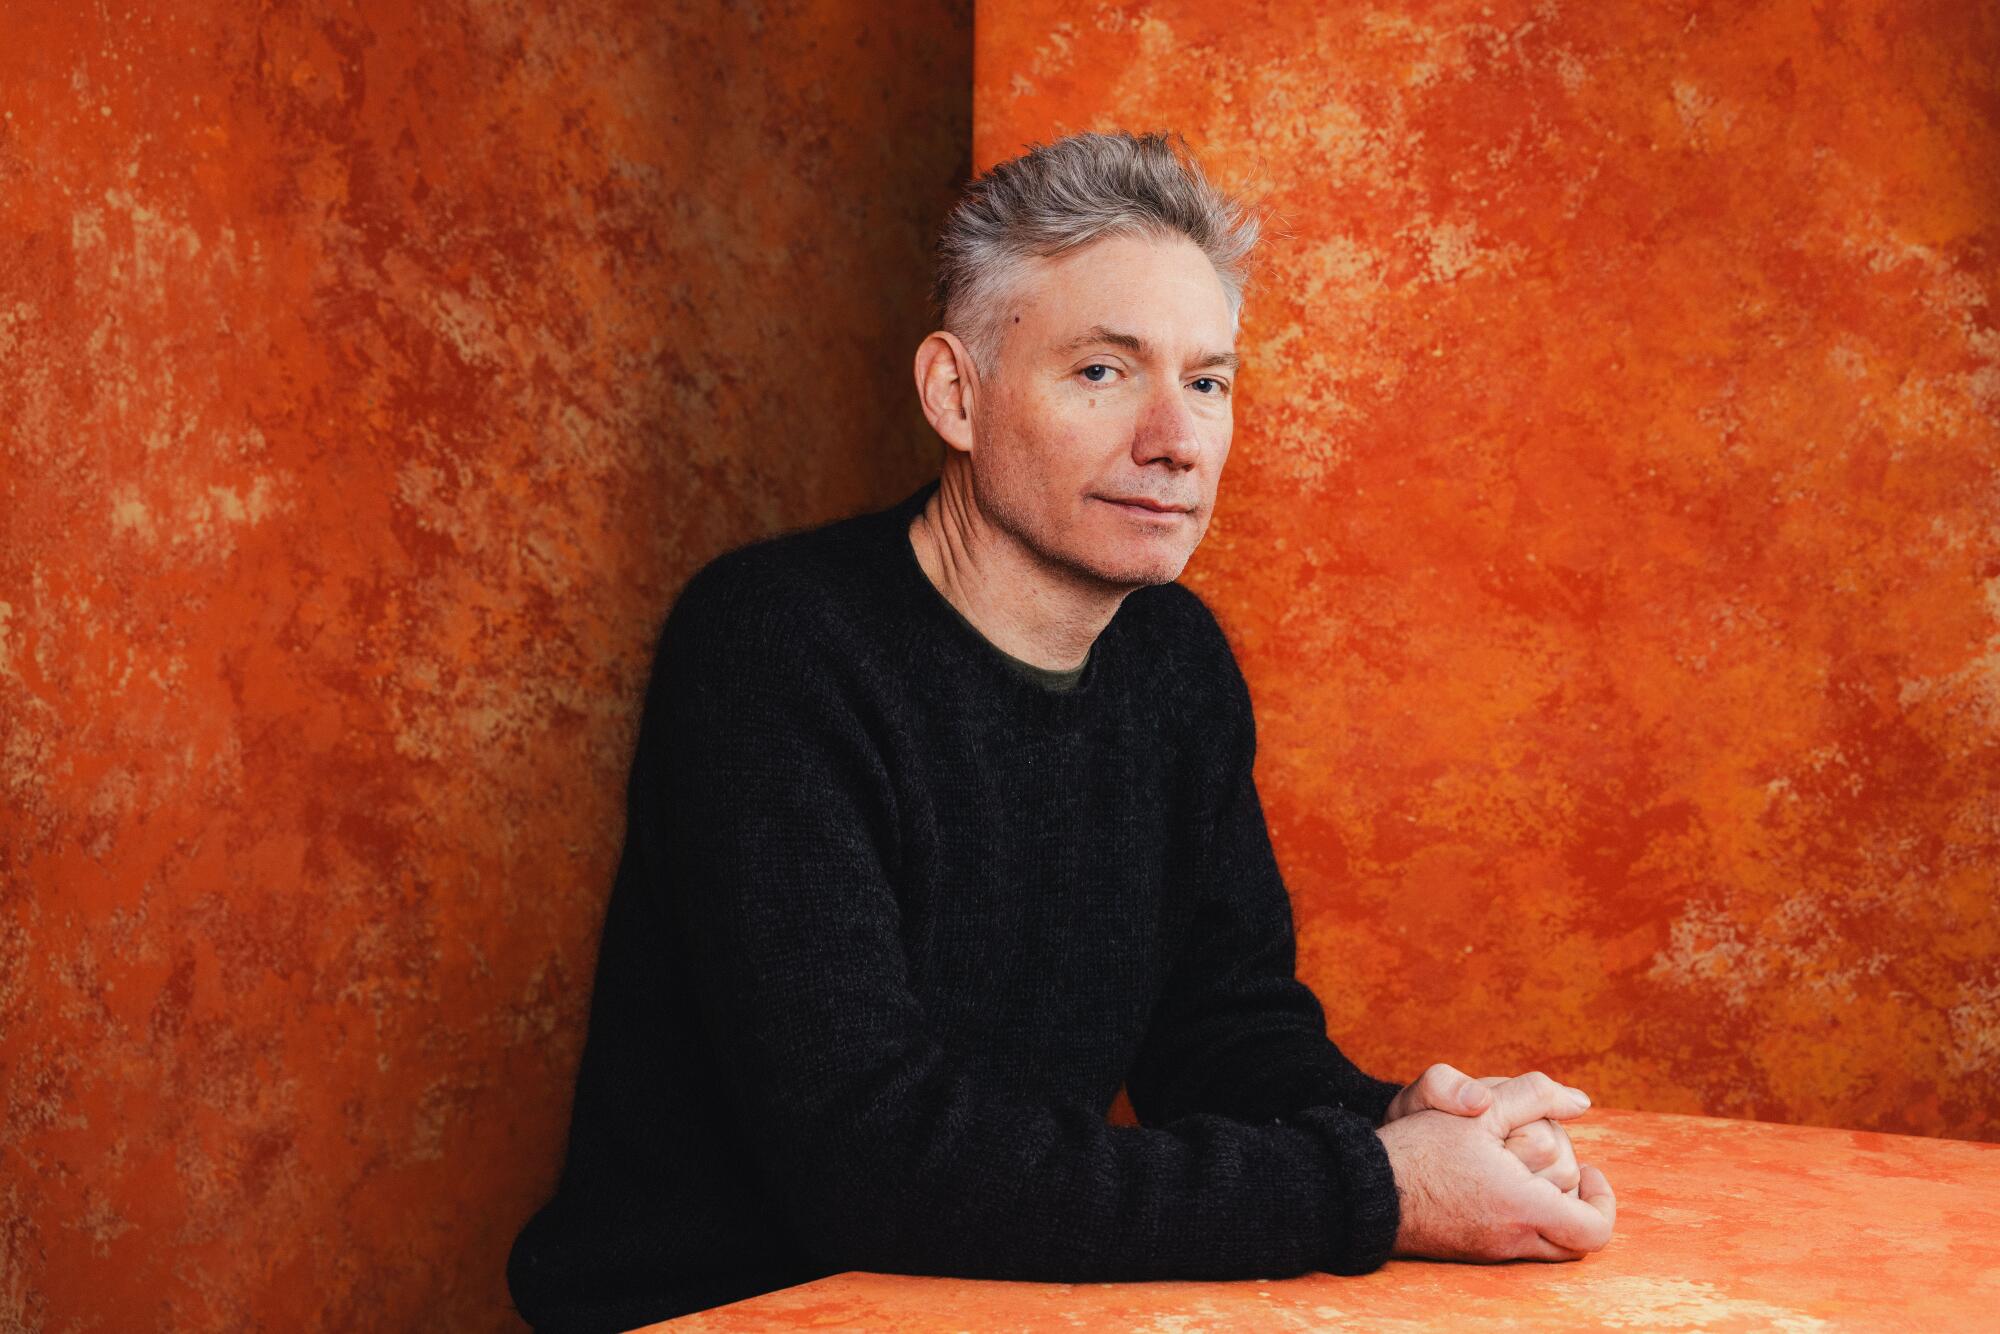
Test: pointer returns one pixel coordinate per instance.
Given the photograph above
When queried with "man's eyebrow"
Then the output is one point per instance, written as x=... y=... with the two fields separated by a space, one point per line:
x=1097 y=333
x=1137 y=346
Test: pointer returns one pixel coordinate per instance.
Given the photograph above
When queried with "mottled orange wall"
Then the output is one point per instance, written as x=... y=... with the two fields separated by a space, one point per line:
x=1612 y=534
x=370 y=379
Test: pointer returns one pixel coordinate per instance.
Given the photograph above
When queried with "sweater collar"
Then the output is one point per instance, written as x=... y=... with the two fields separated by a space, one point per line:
x=938 y=622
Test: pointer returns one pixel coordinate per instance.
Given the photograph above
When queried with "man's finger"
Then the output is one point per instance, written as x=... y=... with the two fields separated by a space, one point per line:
x=1444 y=1088
x=1595 y=1191
x=1533 y=1097
x=1544 y=1148
x=1536 y=1145
x=1474 y=1097
x=1448 y=1089
x=1581 y=1224
x=1564 y=1177
x=1541 y=1248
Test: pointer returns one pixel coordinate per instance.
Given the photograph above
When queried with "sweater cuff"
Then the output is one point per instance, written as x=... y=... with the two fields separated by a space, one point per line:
x=1365 y=1211
x=1374 y=1102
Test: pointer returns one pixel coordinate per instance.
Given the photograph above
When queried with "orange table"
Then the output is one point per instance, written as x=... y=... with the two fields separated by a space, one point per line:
x=1722 y=1225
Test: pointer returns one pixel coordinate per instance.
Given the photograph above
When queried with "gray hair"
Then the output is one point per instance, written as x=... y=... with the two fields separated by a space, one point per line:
x=1057 y=197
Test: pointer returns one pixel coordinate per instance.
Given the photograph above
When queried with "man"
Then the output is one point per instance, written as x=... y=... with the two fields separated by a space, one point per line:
x=943 y=826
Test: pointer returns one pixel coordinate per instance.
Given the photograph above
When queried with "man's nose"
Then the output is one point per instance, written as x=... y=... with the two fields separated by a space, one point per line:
x=1166 y=430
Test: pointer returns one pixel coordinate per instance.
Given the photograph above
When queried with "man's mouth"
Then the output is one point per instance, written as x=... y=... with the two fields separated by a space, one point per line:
x=1145 y=505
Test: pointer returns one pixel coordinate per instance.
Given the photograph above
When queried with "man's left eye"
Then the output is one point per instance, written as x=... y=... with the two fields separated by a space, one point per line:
x=1209 y=380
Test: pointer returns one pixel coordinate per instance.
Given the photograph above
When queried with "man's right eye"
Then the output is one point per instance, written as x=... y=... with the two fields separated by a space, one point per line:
x=1094 y=367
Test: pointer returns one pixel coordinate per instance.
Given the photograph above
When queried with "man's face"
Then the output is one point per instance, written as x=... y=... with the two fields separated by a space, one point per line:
x=1112 y=382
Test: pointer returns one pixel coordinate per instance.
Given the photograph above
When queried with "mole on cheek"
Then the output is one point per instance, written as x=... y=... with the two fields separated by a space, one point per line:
x=1093 y=402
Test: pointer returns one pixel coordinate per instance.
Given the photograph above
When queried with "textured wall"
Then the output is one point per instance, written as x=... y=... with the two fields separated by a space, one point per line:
x=1612 y=537
x=370 y=379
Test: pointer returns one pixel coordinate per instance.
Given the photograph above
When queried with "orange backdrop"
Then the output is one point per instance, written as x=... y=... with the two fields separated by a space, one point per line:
x=1612 y=534
x=370 y=379
x=1612 y=546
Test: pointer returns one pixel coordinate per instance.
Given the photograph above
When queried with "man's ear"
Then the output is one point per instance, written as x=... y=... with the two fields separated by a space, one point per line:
x=947 y=385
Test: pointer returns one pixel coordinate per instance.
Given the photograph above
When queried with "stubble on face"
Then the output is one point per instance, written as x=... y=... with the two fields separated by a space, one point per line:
x=1050 y=453
x=1015 y=496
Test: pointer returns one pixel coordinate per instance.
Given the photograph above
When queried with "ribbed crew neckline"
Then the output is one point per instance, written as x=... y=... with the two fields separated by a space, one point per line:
x=1047 y=678
x=995 y=664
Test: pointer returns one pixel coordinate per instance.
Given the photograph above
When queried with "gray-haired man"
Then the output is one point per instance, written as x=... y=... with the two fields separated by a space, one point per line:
x=943 y=826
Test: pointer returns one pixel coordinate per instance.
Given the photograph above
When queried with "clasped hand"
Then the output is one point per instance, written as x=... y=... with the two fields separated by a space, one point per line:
x=1486 y=1172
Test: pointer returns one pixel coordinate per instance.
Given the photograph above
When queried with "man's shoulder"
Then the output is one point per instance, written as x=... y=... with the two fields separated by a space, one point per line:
x=790 y=603
x=798 y=572
x=1180 y=607
x=1186 y=634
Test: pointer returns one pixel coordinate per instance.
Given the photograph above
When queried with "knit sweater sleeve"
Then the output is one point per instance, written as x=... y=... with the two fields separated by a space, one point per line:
x=1237 y=1033
x=775 y=833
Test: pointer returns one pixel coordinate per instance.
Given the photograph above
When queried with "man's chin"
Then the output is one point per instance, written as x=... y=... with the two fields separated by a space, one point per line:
x=1138 y=574
x=1122 y=563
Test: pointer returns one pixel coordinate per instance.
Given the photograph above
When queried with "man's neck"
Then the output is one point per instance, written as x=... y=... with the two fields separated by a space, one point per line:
x=1010 y=595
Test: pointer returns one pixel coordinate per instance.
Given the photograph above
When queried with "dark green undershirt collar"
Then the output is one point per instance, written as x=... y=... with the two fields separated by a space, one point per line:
x=1046 y=677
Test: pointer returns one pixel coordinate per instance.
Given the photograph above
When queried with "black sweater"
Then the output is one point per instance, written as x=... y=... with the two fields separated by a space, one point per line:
x=892 y=925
